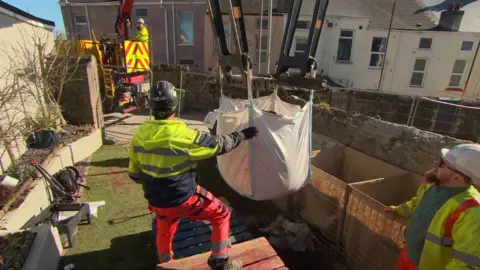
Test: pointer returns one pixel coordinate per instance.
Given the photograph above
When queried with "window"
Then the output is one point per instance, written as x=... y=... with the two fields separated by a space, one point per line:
x=457 y=73
x=418 y=72
x=303 y=25
x=81 y=25
x=467 y=46
x=345 y=43
x=186 y=28
x=216 y=48
x=186 y=62
x=264 y=23
x=300 y=45
x=141 y=12
x=263 y=51
x=377 y=56
x=425 y=43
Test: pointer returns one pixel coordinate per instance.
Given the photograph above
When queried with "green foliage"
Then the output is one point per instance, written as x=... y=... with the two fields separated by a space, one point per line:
x=14 y=249
x=21 y=172
x=48 y=119
x=324 y=107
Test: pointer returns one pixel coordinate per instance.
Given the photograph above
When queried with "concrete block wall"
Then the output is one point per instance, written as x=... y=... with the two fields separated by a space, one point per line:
x=461 y=123
x=407 y=147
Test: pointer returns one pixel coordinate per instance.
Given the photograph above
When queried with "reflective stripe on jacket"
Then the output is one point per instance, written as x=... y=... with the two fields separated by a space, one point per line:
x=166 y=148
x=142 y=35
x=452 y=241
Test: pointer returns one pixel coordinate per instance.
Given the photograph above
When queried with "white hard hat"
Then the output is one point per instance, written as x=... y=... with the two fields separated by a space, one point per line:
x=141 y=20
x=466 y=159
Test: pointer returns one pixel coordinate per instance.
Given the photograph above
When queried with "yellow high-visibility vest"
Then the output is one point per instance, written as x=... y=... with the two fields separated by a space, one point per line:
x=452 y=240
x=165 y=148
x=142 y=35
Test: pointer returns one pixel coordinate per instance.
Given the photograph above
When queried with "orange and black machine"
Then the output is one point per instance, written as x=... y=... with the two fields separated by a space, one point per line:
x=132 y=70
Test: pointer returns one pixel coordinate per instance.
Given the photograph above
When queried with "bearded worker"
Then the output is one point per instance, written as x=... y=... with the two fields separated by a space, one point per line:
x=443 y=230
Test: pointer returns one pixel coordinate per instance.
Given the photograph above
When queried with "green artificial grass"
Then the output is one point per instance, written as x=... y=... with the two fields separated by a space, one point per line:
x=121 y=236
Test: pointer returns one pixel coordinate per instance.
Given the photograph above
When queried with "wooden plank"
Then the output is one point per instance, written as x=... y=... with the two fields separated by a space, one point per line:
x=200 y=259
x=249 y=257
x=268 y=264
x=205 y=247
x=203 y=238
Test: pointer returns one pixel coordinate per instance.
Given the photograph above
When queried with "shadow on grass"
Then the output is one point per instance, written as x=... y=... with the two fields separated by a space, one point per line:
x=129 y=252
x=113 y=162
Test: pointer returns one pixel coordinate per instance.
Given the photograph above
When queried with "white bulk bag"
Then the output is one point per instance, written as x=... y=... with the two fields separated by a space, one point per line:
x=276 y=162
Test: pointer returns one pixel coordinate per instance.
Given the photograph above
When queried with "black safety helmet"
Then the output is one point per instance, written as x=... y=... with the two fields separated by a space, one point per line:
x=163 y=99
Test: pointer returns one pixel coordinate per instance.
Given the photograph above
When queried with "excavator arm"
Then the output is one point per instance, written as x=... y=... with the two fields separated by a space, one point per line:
x=304 y=61
x=123 y=21
x=240 y=58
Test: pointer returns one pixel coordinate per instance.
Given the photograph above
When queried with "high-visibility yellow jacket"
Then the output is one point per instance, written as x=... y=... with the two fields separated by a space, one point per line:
x=142 y=35
x=164 y=155
x=453 y=237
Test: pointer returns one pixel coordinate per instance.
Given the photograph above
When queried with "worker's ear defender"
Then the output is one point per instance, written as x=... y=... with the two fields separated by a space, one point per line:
x=163 y=98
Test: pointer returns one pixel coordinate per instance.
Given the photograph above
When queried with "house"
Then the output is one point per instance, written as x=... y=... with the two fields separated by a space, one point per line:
x=258 y=48
x=176 y=26
x=430 y=51
x=19 y=32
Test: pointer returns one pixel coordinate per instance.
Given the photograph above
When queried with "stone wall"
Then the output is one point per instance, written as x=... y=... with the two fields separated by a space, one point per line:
x=407 y=147
x=81 y=100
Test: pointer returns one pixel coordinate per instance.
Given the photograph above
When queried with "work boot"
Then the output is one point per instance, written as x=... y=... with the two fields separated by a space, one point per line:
x=233 y=265
x=224 y=264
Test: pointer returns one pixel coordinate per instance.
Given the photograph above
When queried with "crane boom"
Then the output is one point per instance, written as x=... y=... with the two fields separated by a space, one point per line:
x=305 y=61
x=124 y=18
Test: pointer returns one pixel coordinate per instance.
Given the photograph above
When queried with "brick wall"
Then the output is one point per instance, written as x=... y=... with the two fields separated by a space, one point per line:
x=81 y=100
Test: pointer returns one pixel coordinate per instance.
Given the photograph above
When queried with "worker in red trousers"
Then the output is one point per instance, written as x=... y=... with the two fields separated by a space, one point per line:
x=164 y=153
x=444 y=217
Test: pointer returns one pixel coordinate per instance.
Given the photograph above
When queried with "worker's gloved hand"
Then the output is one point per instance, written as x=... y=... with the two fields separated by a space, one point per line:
x=250 y=132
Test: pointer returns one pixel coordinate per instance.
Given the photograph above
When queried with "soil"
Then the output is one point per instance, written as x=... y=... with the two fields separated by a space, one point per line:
x=25 y=172
x=14 y=249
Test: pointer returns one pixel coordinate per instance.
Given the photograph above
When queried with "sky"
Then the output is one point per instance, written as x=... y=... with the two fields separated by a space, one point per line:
x=45 y=9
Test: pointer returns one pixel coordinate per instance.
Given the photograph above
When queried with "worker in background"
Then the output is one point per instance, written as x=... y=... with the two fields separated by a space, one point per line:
x=163 y=157
x=444 y=217
x=142 y=32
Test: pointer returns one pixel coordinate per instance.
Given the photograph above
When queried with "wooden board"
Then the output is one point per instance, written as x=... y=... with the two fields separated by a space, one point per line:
x=254 y=254
x=193 y=237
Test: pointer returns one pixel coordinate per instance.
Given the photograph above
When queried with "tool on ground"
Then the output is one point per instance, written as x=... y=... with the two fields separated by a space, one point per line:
x=65 y=185
x=304 y=61
x=114 y=221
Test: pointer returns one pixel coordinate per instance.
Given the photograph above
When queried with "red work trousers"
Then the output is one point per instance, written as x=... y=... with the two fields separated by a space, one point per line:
x=404 y=262
x=200 y=206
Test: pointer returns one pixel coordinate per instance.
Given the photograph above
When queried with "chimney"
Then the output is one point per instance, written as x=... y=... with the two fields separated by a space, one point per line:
x=451 y=18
